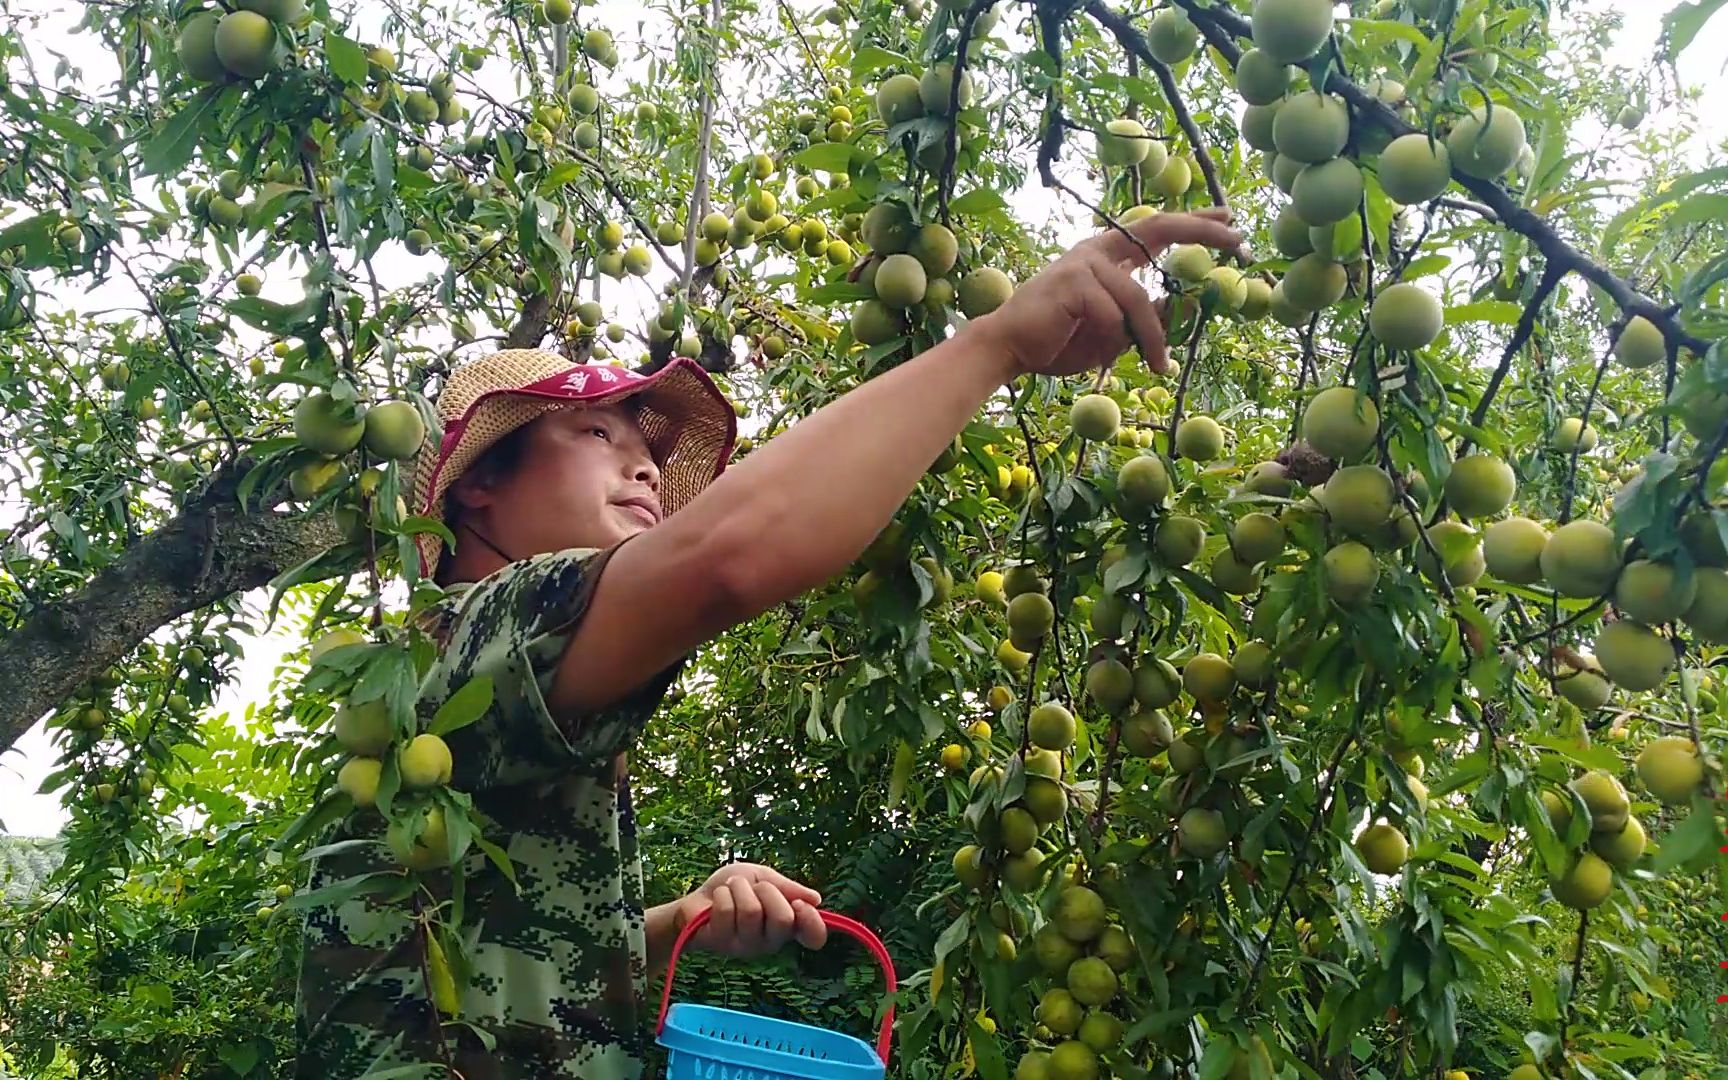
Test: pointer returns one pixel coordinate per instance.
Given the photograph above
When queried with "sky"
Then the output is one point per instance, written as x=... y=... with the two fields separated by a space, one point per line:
x=22 y=812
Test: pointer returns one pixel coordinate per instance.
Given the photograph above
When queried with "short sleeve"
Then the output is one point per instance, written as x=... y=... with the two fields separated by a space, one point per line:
x=514 y=626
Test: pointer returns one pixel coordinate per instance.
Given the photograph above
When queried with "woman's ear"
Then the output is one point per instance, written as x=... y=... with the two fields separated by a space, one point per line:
x=472 y=490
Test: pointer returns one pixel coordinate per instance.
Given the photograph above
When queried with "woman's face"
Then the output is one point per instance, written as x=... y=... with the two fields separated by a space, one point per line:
x=585 y=480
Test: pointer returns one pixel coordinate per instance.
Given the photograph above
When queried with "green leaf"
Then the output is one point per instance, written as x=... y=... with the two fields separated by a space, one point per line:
x=874 y=58
x=1680 y=26
x=463 y=707
x=832 y=157
x=347 y=58
x=1504 y=312
x=171 y=147
x=980 y=201
x=1688 y=840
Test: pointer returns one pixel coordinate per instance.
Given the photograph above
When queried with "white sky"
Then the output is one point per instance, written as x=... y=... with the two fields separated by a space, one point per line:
x=22 y=769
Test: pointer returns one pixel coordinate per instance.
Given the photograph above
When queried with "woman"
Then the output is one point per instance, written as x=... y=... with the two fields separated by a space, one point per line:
x=597 y=545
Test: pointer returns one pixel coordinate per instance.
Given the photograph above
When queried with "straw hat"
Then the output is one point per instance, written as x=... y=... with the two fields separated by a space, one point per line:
x=686 y=420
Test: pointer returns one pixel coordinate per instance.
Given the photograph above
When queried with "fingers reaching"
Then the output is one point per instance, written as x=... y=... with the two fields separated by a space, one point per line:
x=1139 y=314
x=1210 y=226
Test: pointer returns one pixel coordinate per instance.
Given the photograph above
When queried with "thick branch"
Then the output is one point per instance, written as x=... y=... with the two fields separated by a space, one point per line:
x=1221 y=27
x=213 y=549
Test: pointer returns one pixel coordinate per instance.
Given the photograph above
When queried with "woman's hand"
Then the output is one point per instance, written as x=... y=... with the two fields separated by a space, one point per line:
x=1085 y=308
x=752 y=910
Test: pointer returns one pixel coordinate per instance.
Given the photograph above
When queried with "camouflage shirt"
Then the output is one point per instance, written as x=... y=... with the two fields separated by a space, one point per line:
x=559 y=963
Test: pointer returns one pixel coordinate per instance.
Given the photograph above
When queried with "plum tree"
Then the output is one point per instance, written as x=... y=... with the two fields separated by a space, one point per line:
x=1424 y=488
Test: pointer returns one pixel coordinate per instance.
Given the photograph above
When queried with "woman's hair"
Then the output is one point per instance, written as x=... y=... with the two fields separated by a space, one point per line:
x=495 y=465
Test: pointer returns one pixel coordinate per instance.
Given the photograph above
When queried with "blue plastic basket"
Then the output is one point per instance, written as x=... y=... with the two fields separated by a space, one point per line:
x=707 y=1043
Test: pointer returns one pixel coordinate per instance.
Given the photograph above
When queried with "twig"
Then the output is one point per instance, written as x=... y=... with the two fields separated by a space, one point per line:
x=1584 y=422
x=1551 y=275
x=1132 y=40
x=1221 y=27
x=1301 y=853
x=951 y=137
x=699 y=188
x=1182 y=384
x=1577 y=974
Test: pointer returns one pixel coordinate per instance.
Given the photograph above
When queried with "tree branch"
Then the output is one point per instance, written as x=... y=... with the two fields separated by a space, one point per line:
x=1221 y=27
x=60 y=647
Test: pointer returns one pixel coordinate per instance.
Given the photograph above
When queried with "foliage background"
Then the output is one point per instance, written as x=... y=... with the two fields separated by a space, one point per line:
x=140 y=952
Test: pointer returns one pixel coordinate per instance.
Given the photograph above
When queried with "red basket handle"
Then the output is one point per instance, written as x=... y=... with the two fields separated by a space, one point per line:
x=838 y=922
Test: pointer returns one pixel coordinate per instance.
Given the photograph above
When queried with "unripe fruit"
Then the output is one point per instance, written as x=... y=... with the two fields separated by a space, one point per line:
x=1208 y=677
x=1414 y=169
x=1259 y=123
x=1622 y=848
x=1058 y=1011
x=425 y=762
x=1640 y=344
x=1257 y=537
x=245 y=42
x=1092 y=981
x=1312 y=283
x=1110 y=684
x=983 y=291
x=1671 y=770
x=394 y=430
x=1406 y=316
x=935 y=89
x=1460 y=553
x=1073 y=1061
x=1079 y=913
x=1156 y=683
x=1384 y=849
x=1650 y=592
x=1358 y=498
x=968 y=867
x=196 y=47
x=364 y=730
x=1228 y=285
x=898 y=100
x=1607 y=800
x=1256 y=299
x=1581 y=559
x=1143 y=483
x=1199 y=438
x=1574 y=434
x=358 y=779
x=1512 y=550
x=935 y=248
x=1341 y=423
x=1095 y=417
x=1328 y=192
x=1351 y=573
x=1633 y=656
x=1202 y=832
x=1260 y=79
x=1188 y=263
x=1708 y=615
x=1030 y=617
x=1311 y=127
x=1480 y=485
x=900 y=281
x=1051 y=727
x=1172 y=36
x=1486 y=143
x=1585 y=885
x=874 y=323
x=1123 y=142
x=1146 y=733
x=1178 y=539
x=1290 y=31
